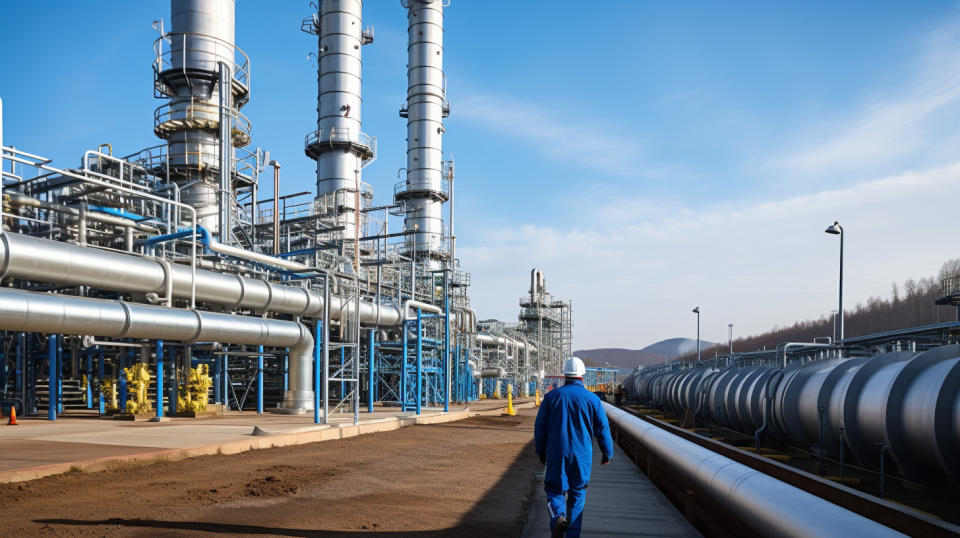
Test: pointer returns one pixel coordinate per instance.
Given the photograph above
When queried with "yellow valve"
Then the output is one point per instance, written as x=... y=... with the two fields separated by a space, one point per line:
x=195 y=395
x=138 y=378
x=510 y=410
x=536 y=401
x=109 y=387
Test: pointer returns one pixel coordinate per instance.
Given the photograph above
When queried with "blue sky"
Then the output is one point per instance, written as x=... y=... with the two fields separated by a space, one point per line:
x=649 y=156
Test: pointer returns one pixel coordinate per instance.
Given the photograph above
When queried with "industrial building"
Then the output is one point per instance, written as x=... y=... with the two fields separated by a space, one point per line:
x=160 y=281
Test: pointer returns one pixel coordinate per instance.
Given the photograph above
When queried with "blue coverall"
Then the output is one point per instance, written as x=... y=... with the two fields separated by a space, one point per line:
x=568 y=419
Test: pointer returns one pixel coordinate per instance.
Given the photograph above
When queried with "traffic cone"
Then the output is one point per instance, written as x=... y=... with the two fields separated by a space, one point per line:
x=13 y=416
x=510 y=410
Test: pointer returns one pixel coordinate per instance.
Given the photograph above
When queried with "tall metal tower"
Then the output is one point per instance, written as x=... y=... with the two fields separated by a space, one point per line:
x=338 y=145
x=206 y=80
x=426 y=188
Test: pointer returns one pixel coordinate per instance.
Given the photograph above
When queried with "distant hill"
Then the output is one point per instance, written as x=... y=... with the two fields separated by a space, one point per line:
x=656 y=353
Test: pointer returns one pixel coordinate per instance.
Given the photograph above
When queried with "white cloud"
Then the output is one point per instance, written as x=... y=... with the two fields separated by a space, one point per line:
x=758 y=266
x=561 y=134
x=917 y=118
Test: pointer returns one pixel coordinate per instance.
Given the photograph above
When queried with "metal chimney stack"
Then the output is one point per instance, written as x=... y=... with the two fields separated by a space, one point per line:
x=425 y=188
x=338 y=145
x=200 y=122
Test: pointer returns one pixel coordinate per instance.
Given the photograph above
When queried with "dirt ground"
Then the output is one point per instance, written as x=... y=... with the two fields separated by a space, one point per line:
x=474 y=477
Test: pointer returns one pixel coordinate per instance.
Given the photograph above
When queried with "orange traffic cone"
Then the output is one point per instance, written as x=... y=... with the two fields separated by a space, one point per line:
x=13 y=417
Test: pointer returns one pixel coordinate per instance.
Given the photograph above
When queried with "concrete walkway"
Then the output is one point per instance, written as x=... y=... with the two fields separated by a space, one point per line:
x=83 y=441
x=621 y=501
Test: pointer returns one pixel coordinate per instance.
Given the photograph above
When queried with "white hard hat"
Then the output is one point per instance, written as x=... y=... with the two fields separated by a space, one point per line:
x=573 y=367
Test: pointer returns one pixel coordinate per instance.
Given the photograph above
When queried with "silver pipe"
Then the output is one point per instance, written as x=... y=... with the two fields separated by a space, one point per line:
x=62 y=314
x=19 y=199
x=768 y=506
x=34 y=258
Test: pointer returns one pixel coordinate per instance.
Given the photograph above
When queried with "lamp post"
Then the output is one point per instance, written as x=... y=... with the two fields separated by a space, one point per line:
x=730 y=326
x=696 y=311
x=836 y=229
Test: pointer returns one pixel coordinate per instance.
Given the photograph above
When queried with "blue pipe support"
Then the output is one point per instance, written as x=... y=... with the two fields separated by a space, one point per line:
x=122 y=389
x=101 y=373
x=89 y=375
x=419 y=359
x=225 y=379
x=317 y=373
x=52 y=367
x=403 y=368
x=446 y=354
x=60 y=375
x=20 y=367
x=159 y=378
x=217 y=385
x=343 y=384
x=172 y=388
x=371 y=373
x=285 y=367
x=260 y=380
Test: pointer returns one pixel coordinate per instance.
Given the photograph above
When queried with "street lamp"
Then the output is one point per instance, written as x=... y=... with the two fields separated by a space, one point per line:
x=836 y=229
x=730 y=326
x=697 y=312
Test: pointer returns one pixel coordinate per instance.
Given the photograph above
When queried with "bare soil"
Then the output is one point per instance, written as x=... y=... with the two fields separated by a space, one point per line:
x=474 y=477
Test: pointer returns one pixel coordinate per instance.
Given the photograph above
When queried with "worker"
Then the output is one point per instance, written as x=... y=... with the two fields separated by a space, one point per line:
x=618 y=396
x=568 y=418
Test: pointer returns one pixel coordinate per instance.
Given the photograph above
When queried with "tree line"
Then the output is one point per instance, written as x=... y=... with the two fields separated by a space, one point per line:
x=911 y=305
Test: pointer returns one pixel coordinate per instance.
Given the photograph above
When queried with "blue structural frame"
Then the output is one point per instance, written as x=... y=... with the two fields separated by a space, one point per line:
x=371 y=373
x=52 y=395
x=260 y=380
x=101 y=374
x=159 y=345
x=317 y=372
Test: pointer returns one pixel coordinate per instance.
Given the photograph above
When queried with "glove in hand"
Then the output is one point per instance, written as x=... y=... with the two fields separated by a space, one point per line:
x=543 y=459
x=604 y=460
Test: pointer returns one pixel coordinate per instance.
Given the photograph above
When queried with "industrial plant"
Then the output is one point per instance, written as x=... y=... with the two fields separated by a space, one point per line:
x=185 y=280
x=161 y=281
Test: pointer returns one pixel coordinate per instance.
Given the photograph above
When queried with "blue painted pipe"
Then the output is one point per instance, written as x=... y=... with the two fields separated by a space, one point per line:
x=446 y=353
x=122 y=388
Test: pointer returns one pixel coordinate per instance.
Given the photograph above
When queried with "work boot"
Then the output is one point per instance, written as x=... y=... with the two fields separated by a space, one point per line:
x=560 y=529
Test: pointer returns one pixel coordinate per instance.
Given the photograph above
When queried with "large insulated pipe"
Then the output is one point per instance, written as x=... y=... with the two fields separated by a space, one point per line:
x=33 y=258
x=767 y=505
x=426 y=100
x=338 y=145
x=62 y=314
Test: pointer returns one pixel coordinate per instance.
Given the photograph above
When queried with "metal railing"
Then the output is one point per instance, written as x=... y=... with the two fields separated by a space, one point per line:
x=174 y=116
x=169 y=59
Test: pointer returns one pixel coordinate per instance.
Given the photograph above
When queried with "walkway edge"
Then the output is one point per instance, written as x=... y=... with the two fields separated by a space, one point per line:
x=264 y=439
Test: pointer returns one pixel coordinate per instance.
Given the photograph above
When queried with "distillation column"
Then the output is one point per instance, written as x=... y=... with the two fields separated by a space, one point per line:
x=200 y=122
x=338 y=145
x=424 y=192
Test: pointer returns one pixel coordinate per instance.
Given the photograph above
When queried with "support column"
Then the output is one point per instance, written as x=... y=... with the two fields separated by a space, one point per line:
x=101 y=373
x=52 y=372
x=419 y=360
x=403 y=366
x=371 y=373
x=260 y=380
x=159 y=378
x=172 y=389
x=89 y=375
x=317 y=373
x=446 y=345
x=326 y=348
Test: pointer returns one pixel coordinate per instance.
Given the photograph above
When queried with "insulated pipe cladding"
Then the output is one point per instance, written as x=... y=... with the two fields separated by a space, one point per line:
x=766 y=505
x=906 y=404
x=62 y=314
